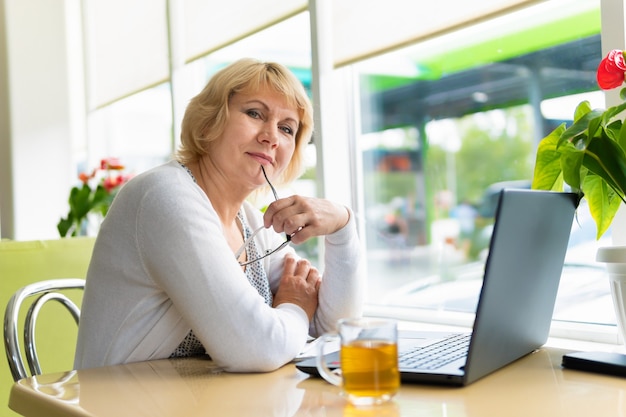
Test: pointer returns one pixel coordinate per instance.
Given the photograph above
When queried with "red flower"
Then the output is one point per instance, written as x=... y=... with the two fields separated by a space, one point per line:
x=114 y=181
x=84 y=177
x=611 y=70
x=111 y=163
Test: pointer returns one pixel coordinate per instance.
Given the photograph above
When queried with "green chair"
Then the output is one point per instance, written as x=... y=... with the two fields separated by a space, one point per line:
x=27 y=262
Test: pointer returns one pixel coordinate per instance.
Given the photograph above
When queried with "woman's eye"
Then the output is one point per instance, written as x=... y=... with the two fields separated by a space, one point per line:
x=288 y=130
x=254 y=114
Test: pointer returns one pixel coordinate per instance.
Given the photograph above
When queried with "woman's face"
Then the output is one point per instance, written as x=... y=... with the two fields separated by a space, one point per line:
x=261 y=130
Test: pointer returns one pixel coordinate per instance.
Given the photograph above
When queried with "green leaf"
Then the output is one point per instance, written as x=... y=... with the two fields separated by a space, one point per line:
x=621 y=138
x=100 y=196
x=605 y=158
x=64 y=225
x=613 y=111
x=547 y=175
x=80 y=203
x=583 y=108
x=603 y=202
x=572 y=166
x=580 y=126
x=612 y=130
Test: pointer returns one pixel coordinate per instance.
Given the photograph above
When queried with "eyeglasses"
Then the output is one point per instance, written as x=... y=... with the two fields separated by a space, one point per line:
x=268 y=252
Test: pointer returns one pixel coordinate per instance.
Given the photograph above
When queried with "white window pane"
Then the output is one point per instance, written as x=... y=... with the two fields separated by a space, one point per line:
x=137 y=130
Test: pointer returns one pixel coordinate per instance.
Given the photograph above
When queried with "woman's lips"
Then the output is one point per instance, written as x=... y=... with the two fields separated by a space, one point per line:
x=262 y=158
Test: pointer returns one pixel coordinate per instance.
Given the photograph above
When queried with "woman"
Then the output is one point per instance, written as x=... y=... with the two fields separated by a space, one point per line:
x=167 y=277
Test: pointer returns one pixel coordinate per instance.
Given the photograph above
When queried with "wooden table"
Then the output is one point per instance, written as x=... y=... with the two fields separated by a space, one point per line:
x=534 y=386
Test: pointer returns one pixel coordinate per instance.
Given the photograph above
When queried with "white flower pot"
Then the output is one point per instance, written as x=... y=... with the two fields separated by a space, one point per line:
x=615 y=259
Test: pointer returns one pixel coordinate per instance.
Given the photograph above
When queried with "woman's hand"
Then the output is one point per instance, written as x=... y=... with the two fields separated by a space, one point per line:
x=299 y=285
x=305 y=217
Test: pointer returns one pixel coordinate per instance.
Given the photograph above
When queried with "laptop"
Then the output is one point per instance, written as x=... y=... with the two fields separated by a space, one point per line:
x=514 y=311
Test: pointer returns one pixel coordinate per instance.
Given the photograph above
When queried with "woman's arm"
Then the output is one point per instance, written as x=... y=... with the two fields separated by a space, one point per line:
x=342 y=287
x=343 y=284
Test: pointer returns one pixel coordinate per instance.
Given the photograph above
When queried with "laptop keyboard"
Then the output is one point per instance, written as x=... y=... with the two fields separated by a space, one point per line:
x=436 y=355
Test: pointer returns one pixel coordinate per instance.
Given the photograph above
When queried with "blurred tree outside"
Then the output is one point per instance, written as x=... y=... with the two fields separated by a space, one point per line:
x=494 y=146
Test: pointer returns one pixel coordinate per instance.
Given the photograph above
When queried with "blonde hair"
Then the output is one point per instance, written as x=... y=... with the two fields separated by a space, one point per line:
x=207 y=113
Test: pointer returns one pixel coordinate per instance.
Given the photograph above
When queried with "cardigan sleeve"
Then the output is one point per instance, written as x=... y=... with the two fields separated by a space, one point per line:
x=342 y=289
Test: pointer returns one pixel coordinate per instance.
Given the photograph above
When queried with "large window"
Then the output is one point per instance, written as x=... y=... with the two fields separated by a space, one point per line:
x=449 y=122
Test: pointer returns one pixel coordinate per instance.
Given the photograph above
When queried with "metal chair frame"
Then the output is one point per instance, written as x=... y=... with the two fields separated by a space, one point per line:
x=48 y=290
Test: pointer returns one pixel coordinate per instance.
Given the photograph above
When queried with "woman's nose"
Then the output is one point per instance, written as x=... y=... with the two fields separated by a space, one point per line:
x=269 y=134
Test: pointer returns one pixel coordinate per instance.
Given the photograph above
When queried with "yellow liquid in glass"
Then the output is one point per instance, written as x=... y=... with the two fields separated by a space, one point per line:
x=369 y=368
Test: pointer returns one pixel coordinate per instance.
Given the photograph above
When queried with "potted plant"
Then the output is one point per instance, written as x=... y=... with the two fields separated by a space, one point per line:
x=89 y=200
x=590 y=157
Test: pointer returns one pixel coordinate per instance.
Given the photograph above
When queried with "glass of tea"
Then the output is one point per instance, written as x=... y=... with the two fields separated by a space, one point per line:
x=368 y=360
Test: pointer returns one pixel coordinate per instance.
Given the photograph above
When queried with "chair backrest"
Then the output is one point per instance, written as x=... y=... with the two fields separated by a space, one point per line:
x=35 y=296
